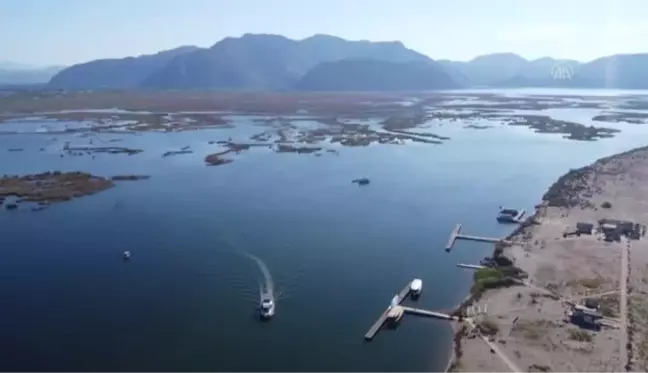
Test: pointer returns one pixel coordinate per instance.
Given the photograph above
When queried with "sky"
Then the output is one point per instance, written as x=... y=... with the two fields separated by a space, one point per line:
x=64 y=32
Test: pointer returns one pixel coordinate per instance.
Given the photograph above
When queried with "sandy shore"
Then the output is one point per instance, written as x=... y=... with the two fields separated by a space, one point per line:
x=527 y=328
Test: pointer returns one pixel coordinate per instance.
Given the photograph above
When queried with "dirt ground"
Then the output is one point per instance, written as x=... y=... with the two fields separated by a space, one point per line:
x=532 y=331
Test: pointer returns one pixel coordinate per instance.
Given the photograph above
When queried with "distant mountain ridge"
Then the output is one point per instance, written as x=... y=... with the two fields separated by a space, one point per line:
x=250 y=62
x=126 y=72
x=269 y=61
x=323 y=62
x=621 y=71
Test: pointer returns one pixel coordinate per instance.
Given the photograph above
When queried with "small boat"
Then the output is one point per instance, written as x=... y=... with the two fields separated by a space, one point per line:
x=509 y=215
x=416 y=287
x=394 y=302
x=127 y=255
x=267 y=308
x=361 y=181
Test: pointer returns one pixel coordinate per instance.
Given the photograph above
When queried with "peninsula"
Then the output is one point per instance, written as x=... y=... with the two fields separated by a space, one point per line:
x=582 y=303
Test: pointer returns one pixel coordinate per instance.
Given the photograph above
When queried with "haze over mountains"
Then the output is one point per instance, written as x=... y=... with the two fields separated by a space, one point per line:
x=322 y=62
x=16 y=73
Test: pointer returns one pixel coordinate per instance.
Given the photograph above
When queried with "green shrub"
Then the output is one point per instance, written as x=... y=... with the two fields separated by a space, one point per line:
x=580 y=335
x=488 y=327
x=488 y=273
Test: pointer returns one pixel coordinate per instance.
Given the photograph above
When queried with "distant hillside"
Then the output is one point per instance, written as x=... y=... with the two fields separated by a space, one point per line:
x=16 y=74
x=485 y=70
x=497 y=69
x=375 y=75
x=114 y=73
x=621 y=71
x=628 y=71
x=274 y=62
x=268 y=61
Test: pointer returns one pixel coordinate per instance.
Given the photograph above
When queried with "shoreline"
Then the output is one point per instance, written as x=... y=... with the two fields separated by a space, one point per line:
x=570 y=194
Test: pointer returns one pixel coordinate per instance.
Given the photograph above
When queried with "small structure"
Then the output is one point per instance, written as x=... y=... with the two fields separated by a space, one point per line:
x=592 y=303
x=586 y=316
x=610 y=232
x=584 y=228
x=613 y=229
x=395 y=314
x=488 y=262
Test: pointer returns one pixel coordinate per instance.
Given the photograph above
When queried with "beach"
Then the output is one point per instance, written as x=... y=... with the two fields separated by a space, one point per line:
x=525 y=327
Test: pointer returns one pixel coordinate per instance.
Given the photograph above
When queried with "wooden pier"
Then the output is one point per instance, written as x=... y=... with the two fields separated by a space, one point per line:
x=383 y=317
x=456 y=235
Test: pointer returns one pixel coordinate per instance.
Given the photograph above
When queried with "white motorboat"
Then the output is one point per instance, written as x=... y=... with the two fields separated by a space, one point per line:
x=267 y=308
x=416 y=287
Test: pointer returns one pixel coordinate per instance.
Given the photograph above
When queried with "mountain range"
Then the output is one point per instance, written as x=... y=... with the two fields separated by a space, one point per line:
x=323 y=62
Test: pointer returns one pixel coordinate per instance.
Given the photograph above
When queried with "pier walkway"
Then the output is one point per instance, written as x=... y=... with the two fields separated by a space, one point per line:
x=456 y=235
x=375 y=328
x=383 y=317
x=428 y=313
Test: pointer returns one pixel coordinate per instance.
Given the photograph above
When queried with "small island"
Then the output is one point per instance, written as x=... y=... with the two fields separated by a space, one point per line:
x=53 y=186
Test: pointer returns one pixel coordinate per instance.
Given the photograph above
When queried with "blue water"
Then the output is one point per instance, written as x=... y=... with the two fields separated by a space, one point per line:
x=337 y=252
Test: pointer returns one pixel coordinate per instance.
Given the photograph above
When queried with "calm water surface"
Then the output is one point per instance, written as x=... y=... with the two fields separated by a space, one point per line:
x=337 y=252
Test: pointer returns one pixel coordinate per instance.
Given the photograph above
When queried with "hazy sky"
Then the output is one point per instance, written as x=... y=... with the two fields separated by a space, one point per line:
x=48 y=32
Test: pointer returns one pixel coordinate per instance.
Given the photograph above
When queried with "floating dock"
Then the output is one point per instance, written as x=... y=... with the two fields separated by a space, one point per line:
x=383 y=317
x=470 y=266
x=453 y=237
x=375 y=328
x=510 y=215
x=456 y=235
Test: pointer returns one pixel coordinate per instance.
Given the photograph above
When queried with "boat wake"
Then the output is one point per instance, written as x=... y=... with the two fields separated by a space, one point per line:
x=267 y=287
x=283 y=255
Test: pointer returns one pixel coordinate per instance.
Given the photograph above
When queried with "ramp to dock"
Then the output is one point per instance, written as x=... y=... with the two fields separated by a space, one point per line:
x=383 y=317
x=478 y=238
x=428 y=313
x=520 y=215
